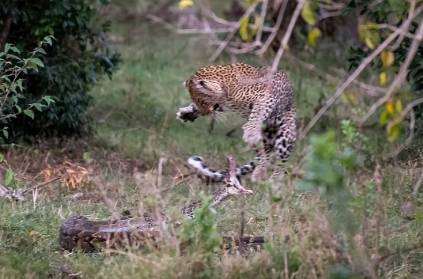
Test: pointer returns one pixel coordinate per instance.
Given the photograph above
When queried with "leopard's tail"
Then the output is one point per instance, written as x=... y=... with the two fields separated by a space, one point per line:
x=197 y=162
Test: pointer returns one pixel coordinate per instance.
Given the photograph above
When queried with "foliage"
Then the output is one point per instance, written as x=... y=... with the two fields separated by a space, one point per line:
x=370 y=33
x=327 y=168
x=14 y=69
x=200 y=234
x=79 y=57
x=139 y=127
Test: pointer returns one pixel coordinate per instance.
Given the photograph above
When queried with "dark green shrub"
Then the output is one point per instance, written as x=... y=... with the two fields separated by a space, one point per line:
x=79 y=57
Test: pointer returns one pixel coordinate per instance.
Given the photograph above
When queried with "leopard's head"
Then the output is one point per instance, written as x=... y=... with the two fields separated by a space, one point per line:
x=207 y=88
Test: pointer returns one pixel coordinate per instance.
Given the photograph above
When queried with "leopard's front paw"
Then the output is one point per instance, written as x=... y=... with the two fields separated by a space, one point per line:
x=251 y=136
x=188 y=113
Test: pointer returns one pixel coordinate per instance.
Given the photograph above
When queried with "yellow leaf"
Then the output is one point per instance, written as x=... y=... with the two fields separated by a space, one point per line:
x=249 y=2
x=243 y=28
x=393 y=130
x=398 y=106
x=389 y=106
x=383 y=117
x=387 y=58
x=369 y=42
x=313 y=35
x=368 y=33
x=257 y=21
x=383 y=78
x=183 y=4
x=308 y=13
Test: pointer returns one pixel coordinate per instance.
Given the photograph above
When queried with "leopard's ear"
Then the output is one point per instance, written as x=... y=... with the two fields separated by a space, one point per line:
x=210 y=87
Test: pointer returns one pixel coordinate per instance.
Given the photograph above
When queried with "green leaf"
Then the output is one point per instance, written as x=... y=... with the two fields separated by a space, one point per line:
x=393 y=131
x=8 y=177
x=19 y=84
x=36 y=61
x=15 y=50
x=243 y=28
x=29 y=113
x=7 y=47
x=38 y=106
x=18 y=108
x=48 y=40
x=1 y=157
x=383 y=117
x=49 y=100
x=6 y=133
x=41 y=50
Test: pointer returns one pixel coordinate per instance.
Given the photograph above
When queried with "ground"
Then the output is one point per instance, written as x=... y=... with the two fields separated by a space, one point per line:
x=135 y=128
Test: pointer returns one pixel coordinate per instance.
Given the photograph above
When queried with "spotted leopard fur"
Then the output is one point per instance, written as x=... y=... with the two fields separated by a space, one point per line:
x=263 y=97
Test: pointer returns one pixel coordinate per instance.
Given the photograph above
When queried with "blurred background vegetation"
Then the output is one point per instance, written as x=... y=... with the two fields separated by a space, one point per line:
x=90 y=88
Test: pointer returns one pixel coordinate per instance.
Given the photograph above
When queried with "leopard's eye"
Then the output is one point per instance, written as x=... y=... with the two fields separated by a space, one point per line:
x=201 y=82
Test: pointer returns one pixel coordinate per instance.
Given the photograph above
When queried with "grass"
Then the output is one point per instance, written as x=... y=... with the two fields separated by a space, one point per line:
x=135 y=126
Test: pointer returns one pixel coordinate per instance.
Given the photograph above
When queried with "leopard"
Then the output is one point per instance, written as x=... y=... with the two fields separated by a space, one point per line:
x=262 y=96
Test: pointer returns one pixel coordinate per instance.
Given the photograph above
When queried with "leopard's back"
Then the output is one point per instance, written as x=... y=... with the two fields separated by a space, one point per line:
x=240 y=86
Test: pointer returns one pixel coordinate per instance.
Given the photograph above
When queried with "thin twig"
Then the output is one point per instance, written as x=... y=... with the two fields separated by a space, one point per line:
x=261 y=24
x=409 y=18
x=278 y=23
x=285 y=39
x=371 y=90
x=231 y=34
x=42 y=184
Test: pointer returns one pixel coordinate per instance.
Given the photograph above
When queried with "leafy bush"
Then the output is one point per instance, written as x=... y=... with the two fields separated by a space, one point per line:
x=13 y=70
x=79 y=57
x=327 y=169
x=201 y=237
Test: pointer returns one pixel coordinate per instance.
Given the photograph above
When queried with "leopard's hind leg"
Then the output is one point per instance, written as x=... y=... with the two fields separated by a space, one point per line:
x=264 y=153
x=286 y=136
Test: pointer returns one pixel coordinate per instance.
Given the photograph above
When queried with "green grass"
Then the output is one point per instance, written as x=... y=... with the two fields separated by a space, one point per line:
x=135 y=126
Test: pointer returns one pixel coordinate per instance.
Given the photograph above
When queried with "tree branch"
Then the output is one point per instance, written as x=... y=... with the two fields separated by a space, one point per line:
x=404 y=26
x=223 y=44
x=401 y=76
x=284 y=42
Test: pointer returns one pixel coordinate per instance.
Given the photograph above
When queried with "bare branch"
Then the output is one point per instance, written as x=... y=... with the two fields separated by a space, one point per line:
x=223 y=44
x=40 y=185
x=261 y=24
x=410 y=16
x=371 y=90
x=285 y=39
x=278 y=23
x=404 y=26
x=401 y=76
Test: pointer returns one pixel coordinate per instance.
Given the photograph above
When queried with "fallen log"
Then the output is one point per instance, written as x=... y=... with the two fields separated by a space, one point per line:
x=80 y=233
